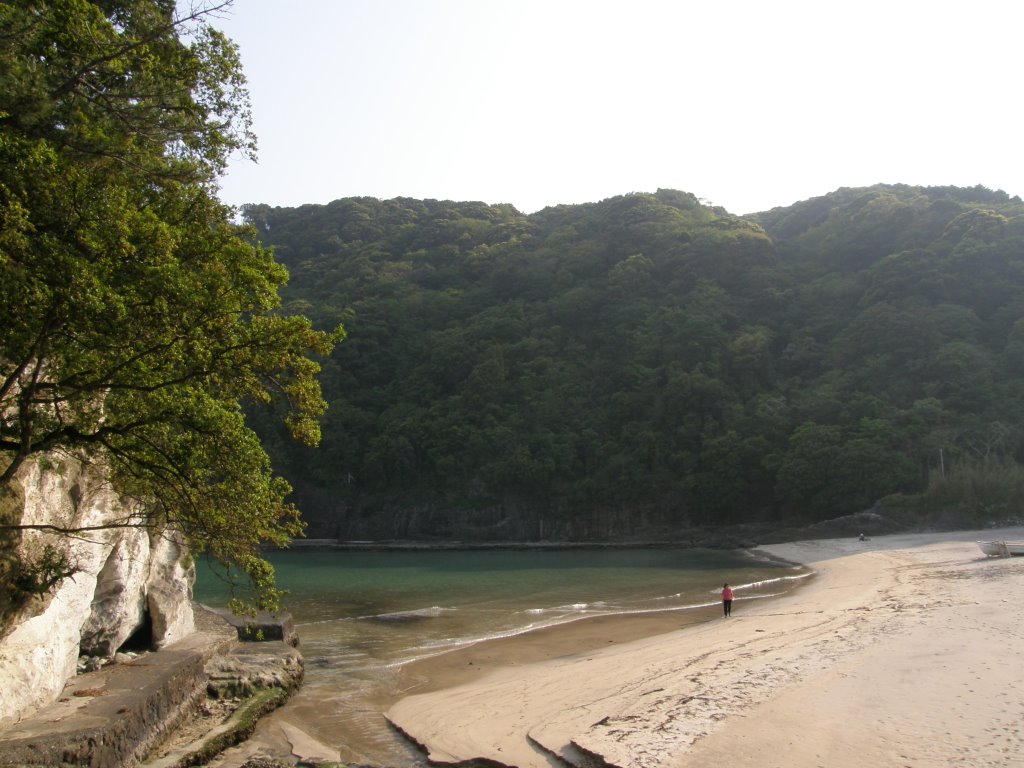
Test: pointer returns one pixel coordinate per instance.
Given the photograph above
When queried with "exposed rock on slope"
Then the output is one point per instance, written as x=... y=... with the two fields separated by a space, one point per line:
x=131 y=585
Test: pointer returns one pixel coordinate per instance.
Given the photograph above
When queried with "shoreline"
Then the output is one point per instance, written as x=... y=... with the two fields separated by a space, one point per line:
x=359 y=731
x=568 y=639
x=414 y=545
x=584 y=634
x=829 y=673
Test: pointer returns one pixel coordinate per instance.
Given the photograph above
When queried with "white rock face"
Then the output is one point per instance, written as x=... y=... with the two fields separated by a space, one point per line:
x=129 y=580
x=169 y=590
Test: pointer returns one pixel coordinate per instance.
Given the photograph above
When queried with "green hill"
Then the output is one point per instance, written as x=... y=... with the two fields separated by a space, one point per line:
x=636 y=366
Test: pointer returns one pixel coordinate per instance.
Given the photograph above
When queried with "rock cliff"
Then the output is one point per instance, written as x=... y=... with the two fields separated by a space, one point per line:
x=131 y=587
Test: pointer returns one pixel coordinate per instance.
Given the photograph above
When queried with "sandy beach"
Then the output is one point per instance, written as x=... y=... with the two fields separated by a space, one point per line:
x=901 y=651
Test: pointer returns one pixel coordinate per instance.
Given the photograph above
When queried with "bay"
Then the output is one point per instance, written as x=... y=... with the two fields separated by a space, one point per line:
x=365 y=617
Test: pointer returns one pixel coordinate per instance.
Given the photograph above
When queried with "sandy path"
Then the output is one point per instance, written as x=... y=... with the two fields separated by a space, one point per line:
x=902 y=651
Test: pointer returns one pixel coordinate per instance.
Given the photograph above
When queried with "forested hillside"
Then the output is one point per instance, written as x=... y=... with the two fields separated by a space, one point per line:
x=633 y=367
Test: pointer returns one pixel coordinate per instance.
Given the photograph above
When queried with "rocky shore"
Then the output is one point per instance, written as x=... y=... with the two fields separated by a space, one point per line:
x=174 y=707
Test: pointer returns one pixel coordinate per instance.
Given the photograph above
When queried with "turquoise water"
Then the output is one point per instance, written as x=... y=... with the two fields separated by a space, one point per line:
x=362 y=615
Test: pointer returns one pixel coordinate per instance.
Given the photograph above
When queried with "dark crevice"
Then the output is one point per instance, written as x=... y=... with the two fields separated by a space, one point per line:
x=141 y=639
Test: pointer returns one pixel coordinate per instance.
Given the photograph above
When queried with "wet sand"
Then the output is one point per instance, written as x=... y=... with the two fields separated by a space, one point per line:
x=900 y=651
x=562 y=641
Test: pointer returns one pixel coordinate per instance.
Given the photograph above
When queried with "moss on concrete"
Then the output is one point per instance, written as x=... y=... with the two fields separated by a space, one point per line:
x=238 y=727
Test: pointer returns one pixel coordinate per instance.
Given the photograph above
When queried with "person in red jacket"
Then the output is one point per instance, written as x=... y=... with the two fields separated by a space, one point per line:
x=727 y=600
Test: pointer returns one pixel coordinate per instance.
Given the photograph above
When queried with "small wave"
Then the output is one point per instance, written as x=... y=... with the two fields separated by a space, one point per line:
x=332 y=620
x=445 y=645
x=770 y=582
x=416 y=614
x=597 y=605
x=327 y=661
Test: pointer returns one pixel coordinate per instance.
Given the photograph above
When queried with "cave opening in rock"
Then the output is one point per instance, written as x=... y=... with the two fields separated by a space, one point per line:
x=141 y=639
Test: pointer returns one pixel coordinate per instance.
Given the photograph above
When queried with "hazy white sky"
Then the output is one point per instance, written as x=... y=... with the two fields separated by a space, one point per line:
x=748 y=104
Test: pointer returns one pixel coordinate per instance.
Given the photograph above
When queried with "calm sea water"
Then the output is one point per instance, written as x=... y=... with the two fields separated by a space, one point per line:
x=362 y=616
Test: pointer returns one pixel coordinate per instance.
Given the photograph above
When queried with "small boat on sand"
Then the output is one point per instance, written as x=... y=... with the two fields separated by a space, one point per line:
x=1002 y=548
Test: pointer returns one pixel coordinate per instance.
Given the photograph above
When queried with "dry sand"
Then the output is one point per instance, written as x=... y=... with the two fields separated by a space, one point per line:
x=901 y=651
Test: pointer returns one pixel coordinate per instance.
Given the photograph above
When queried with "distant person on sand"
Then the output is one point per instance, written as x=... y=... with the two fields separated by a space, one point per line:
x=727 y=599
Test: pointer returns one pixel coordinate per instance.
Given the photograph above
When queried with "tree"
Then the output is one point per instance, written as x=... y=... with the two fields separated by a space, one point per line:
x=806 y=475
x=136 y=321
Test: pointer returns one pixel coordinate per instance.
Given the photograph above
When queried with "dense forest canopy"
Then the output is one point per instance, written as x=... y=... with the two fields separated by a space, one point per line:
x=645 y=363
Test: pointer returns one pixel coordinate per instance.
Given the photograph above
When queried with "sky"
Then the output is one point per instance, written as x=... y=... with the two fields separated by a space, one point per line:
x=747 y=105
